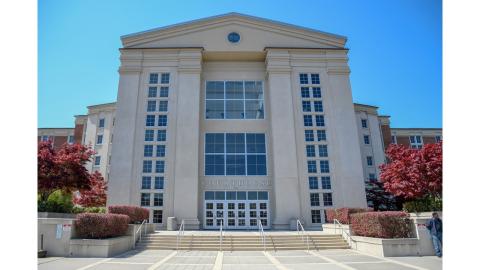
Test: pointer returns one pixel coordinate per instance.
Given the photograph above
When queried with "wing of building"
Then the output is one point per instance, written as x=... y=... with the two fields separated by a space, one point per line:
x=237 y=119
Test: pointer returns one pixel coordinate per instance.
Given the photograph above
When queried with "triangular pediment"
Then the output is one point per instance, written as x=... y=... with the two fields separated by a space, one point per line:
x=211 y=33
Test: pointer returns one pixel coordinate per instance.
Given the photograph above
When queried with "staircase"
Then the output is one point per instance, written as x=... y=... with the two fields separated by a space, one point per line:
x=244 y=242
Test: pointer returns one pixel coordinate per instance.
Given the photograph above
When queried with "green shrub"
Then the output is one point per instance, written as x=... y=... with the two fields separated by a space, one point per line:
x=77 y=209
x=58 y=202
x=427 y=204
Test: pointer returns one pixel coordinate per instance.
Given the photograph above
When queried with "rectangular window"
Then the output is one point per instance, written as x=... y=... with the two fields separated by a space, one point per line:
x=321 y=135
x=44 y=138
x=306 y=106
x=313 y=182
x=394 y=139
x=157 y=216
x=316 y=216
x=416 y=142
x=309 y=136
x=159 y=181
x=322 y=150
x=319 y=120
x=150 y=121
x=438 y=138
x=152 y=91
x=303 y=78
x=234 y=109
x=148 y=150
x=149 y=135
x=144 y=199
x=312 y=166
x=101 y=123
x=153 y=78
x=326 y=184
x=364 y=123
x=165 y=78
x=151 y=105
x=97 y=161
x=327 y=199
x=160 y=166
x=71 y=139
x=164 y=91
x=160 y=150
x=147 y=166
x=161 y=135
x=307 y=120
x=372 y=177
x=369 y=161
x=315 y=78
x=162 y=120
x=158 y=199
x=366 y=139
x=99 y=139
x=305 y=91
x=317 y=92
x=163 y=106
x=324 y=166
x=310 y=150
x=318 y=106
x=314 y=199
x=146 y=182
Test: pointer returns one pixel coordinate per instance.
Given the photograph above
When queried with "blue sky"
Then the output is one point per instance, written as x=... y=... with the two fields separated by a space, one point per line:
x=395 y=49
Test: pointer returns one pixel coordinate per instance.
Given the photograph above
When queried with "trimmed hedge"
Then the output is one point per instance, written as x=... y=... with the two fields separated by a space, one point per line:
x=98 y=226
x=343 y=214
x=135 y=213
x=77 y=209
x=388 y=224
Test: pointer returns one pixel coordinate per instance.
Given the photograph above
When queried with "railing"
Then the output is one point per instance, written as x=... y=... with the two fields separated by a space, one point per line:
x=344 y=232
x=139 y=230
x=261 y=232
x=304 y=234
x=221 y=234
x=181 y=232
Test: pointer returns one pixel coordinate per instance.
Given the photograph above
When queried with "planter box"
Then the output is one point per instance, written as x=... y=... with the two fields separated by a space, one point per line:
x=330 y=228
x=56 y=215
x=56 y=234
x=386 y=247
x=102 y=248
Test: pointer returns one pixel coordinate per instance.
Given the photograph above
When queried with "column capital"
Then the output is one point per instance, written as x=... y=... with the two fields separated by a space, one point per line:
x=277 y=61
x=190 y=60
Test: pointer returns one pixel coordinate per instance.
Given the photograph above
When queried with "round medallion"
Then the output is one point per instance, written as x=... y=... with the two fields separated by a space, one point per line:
x=234 y=37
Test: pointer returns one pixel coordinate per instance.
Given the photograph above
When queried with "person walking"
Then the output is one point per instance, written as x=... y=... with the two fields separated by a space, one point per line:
x=434 y=226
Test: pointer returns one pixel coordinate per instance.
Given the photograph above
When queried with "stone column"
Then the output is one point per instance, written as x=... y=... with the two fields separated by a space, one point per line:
x=185 y=193
x=283 y=149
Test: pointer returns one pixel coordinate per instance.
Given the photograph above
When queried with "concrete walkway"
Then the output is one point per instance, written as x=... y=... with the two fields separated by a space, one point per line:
x=239 y=260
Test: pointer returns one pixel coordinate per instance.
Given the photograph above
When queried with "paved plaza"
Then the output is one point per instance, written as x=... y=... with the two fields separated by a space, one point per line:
x=240 y=260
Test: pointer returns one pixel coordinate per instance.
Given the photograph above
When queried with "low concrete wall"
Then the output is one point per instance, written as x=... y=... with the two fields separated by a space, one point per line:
x=386 y=247
x=100 y=247
x=332 y=229
x=56 y=233
x=55 y=215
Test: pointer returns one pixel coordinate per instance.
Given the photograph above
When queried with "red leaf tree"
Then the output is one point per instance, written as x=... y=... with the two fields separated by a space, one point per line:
x=413 y=173
x=96 y=196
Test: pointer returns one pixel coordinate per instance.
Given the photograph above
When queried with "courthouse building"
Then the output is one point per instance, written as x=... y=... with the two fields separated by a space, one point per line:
x=236 y=119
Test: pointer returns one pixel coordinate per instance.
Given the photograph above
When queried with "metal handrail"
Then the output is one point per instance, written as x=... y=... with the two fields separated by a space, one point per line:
x=348 y=236
x=181 y=232
x=261 y=233
x=221 y=234
x=304 y=234
x=139 y=230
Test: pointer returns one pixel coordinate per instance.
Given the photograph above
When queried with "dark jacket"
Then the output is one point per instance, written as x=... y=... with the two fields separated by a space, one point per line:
x=437 y=229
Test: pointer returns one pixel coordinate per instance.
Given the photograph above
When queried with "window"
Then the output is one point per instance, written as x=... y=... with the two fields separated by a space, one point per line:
x=310 y=150
x=164 y=91
x=316 y=216
x=157 y=216
x=394 y=139
x=318 y=106
x=97 y=161
x=150 y=121
x=148 y=150
x=366 y=139
x=438 y=138
x=309 y=136
x=147 y=166
x=160 y=150
x=149 y=135
x=307 y=120
x=71 y=139
x=161 y=135
x=151 y=105
x=153 y=78
x=369 y=161
x=162 y=120
x=214 y=154
x=101 y=123
x=327 y=199
x=314 y=199
x=306 y=107
x=322 y=150
x=160 y=166
x=99 y=139
x=152 y=91
x=416 y=142
x=317 y=92
x=372 y=177
x=145 y=199
x=321 y=135
x=163 y=106
x=165 y=78
x=44 y=138
x=326 y=184
x=313 y=182
x=315 y=78
x=305 y=91
x=364 y=123
x=146 y=182
x=303 y=78
x=324 y=166
x=159 y=181
x=319 y=120
x=158 y=199
x=312 y=166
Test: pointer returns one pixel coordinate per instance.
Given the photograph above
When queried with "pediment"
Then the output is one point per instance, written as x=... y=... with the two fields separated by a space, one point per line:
x=211 y=34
